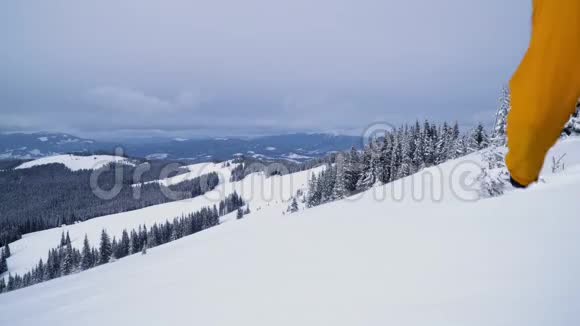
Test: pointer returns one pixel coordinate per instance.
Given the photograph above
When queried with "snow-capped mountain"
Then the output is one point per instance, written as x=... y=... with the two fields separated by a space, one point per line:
x=292 y=147
x=36 y=145
x=386 y=256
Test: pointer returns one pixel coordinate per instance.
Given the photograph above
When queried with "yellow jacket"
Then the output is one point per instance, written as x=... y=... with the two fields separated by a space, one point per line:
x=545 y=87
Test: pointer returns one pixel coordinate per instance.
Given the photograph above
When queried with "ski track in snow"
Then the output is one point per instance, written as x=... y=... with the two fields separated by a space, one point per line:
x=510 y=260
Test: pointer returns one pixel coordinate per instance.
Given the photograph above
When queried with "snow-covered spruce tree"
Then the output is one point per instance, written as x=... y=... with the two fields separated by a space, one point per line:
x=406 y=164
x=52 y=265
x=352 y=170
x=87 y=260
x=67 y=239
x=293 y=208
x=67 y=265
x=492 y=182
x=478 y=139
x=105 y=248
x=62 y=240
x=2 y=285
x=339 y=190
x=3 y=264
x=396 y=156
x=7 y=252
x=326 y=183
x=498 y=136
x=428 y=144
x=419 y=138
x=38 y=272
x=385 y=173
x=134 y=246
x=376 y=146
x=494 y=176
x=367 y=173
x=124 y=245
x=239 y=214
x=114 y=250
x=313 y=198
x=450 y=139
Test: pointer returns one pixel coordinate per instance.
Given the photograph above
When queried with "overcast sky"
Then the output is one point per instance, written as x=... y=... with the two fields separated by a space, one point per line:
x=106 y=68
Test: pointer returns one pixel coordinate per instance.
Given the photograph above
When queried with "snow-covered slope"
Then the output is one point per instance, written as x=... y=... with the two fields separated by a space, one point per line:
x=75 y=162
x=263 y=194
x=511 y=260
x=223 y=170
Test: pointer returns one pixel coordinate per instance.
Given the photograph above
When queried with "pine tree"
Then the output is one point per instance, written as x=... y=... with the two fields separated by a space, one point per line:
x=492 y=182
x=499 y=130
x=327 y=180
x=367 y=174
x=124 y=244
x=478 y=139
x=3 y=264
x=114 y=249
x=339 y=190
x=67 y=261
x=405 y=168
x=293 y=206
x=313 y=192
x=62 y=239
x=384 y=174
x=105 y=249
x=239 y=214
x=39 y=272
x=7 y=252
x=135 y=246
x=87 y=260
x=2 y=285
x=428 y=145
x=396 y=156
x=352 y=170
x=460 y=147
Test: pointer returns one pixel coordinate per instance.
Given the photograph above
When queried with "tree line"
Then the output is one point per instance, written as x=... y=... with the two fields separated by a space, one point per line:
x=394 y=155
x=64 y=259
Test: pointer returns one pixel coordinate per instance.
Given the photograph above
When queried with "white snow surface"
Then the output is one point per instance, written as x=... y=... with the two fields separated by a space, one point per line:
x=76 y=163
x=509 y=260
x=223 y=170
x=263 y=194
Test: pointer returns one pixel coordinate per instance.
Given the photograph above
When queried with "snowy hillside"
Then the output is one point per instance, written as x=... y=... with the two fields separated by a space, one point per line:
x=223 y=169
x=263 y=194
x=75 y=162
x=412 y=258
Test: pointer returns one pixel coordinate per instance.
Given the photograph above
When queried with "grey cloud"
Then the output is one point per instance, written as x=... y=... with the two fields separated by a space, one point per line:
x=133 y=101
x=256 y=66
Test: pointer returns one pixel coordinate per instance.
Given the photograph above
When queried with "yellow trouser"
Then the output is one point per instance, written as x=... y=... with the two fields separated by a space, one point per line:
x=545 y=87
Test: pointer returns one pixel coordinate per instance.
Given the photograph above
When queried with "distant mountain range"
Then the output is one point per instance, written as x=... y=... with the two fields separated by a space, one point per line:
x=294 y=147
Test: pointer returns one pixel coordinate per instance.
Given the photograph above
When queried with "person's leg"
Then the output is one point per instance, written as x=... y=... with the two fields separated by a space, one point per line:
x=545 y=87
